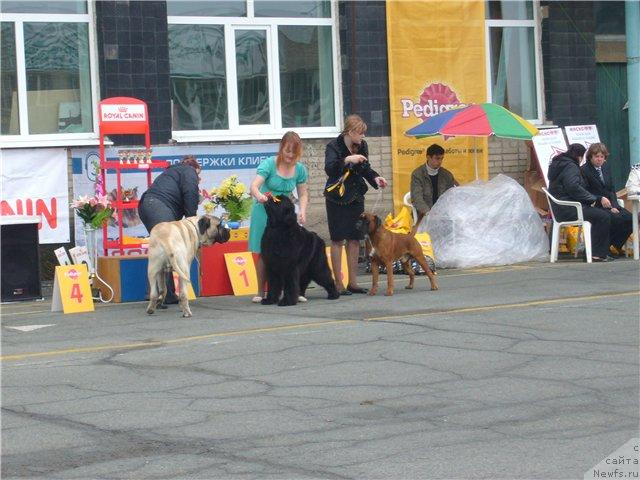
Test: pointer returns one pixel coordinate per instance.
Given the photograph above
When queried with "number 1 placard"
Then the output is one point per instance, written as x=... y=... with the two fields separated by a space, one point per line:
x=71 y=290
x=242 y=273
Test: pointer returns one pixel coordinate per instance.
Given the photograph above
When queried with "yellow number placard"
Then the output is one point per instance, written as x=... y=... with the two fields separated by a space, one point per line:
x=71 y=290
x=343 y=262
x=191 y=295
x=242 y=273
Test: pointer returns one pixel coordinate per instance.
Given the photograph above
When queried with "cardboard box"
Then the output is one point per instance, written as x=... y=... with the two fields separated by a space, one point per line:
x=533 y=184
x=127 y=276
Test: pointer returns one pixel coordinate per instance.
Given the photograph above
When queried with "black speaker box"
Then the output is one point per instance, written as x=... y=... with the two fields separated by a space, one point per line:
x=20 y=267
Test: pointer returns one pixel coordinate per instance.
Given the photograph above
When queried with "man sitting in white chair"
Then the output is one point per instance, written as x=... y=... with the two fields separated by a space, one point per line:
x=430 y=181
x=567 y=183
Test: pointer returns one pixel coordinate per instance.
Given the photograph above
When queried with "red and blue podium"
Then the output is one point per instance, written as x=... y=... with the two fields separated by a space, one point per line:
x=213 y=269
x=127 y=275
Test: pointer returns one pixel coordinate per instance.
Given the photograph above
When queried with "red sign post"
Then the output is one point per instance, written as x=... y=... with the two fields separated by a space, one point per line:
x=124 y=116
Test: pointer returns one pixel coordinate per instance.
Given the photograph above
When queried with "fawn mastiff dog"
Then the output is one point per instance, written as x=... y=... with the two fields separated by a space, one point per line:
x=172 y=246
x=388 y=247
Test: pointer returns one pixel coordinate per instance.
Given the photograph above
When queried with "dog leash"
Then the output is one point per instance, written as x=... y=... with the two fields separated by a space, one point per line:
x=377 y=202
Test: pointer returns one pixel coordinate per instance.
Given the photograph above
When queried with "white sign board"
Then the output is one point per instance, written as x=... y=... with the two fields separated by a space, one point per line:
x=80 y=255
x=218 y=162
x=61 y=254
x=583 y=134
x=548 y=143
x=34 y=182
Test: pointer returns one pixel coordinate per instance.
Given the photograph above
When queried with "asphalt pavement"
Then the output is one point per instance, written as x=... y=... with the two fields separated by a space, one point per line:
x=522 y=371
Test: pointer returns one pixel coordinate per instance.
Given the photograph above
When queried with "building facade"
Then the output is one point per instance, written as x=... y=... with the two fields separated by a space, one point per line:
x=239 y=72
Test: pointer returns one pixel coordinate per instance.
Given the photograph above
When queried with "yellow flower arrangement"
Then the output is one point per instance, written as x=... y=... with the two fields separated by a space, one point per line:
x=232 y=196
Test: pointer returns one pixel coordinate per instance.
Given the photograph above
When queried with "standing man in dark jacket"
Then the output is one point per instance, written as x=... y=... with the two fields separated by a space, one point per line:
x=430 y=181
x=566 y=183
x=598 y=176
x=173 y=195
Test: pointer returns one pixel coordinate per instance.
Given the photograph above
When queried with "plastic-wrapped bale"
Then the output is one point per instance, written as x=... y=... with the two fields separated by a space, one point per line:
x=486 y=223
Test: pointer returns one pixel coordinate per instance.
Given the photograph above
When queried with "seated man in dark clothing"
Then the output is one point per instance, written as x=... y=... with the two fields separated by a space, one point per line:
x=430 y=181
x=567 y=183
x=598 y=176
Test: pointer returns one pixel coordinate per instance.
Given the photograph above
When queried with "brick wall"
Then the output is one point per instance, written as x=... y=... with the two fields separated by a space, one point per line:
x=133 y=58
x=509 y=157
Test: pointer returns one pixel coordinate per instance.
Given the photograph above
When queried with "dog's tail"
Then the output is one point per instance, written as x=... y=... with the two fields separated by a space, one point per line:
x=414 y=229
x=184 y=276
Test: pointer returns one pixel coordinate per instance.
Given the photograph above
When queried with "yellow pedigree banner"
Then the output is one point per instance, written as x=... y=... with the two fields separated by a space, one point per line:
x=436 y=62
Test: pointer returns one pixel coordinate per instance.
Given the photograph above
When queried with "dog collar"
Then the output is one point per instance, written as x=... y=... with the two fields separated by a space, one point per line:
x=198 y=243
x=271 y=196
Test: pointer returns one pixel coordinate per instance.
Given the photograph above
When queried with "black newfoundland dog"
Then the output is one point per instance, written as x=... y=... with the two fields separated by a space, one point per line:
x=292 y=255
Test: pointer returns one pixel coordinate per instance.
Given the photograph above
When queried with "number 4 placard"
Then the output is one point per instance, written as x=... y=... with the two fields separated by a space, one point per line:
x=242 y=273
x=71 y=290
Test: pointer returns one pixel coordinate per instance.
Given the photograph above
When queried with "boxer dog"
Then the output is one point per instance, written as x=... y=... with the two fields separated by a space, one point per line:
x=388 y=247
x=172 y=246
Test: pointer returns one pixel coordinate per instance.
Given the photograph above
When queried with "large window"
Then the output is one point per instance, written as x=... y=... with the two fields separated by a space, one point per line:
x=47 y=90
x=513 y=57
x=198 y=85
x=259 y=68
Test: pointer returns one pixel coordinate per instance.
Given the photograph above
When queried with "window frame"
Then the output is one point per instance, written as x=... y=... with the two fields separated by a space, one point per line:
x=274 y=130
x=532 y=23
x=232 y=81
x=51 y=139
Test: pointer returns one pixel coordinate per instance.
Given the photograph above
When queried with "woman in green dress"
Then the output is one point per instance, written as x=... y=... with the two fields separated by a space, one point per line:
x=279 y=175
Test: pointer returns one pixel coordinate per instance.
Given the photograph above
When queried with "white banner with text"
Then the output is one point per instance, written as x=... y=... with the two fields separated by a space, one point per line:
x=34 y=182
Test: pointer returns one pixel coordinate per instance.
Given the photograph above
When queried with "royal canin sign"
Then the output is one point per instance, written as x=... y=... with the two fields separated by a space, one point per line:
x=122 y=113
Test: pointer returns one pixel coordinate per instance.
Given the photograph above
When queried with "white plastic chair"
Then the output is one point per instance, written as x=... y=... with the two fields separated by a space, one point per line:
x=407 y=202
x=628 y=245
x=580 y=222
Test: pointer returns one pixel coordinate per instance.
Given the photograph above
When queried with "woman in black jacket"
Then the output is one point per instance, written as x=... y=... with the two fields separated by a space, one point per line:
x=347 y=166
x=173 y=195
x=598 y=176
x=567 y=183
